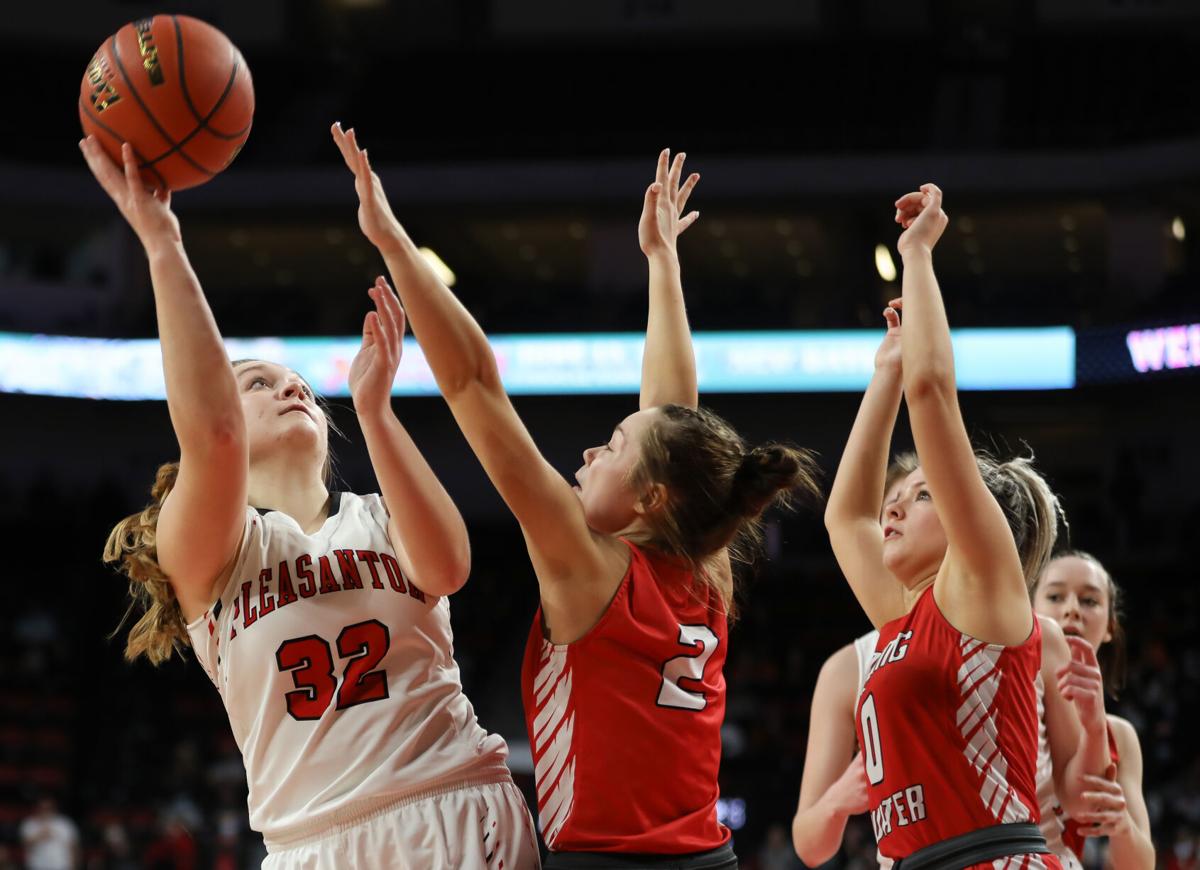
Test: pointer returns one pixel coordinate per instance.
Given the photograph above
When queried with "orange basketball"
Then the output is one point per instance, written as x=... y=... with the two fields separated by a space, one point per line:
x=177 y=90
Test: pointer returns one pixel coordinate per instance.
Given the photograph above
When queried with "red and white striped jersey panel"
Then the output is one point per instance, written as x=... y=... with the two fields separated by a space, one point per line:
x=978 y=717
x=949 y=730
x=625 y=723
x=551 y=739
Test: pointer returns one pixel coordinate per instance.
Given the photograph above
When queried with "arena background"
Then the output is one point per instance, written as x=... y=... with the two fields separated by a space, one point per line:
x=516 y=138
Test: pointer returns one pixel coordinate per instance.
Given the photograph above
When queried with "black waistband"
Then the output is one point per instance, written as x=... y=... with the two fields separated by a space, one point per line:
x=976 y=847
x=720 y=858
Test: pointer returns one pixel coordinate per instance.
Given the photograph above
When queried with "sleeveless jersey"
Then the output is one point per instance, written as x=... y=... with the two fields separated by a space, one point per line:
x=625 y=723
x=948 y=727
x=337 y=673
x=864 y=651
x=1073 y=835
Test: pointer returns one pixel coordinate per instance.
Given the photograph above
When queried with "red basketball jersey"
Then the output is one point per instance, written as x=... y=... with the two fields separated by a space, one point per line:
x=949 y=730
x=625 y=723
x=1072 y=830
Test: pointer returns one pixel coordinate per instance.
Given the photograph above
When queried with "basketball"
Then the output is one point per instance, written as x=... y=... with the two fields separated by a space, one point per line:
x=177 y=90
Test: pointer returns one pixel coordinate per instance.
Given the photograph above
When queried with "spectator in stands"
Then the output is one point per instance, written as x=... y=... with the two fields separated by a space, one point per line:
x=51 y=840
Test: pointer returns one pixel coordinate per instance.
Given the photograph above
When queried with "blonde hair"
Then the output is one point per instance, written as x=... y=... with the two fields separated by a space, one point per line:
x=717 y=490
x=902 y=465
x=132 y=545
x=1031 y=507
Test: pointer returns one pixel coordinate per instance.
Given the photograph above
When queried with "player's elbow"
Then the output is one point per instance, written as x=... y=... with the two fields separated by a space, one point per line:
x=931 y=382
x=449 y=574
x=806 y=846
x=835 y=517
x=478 y=372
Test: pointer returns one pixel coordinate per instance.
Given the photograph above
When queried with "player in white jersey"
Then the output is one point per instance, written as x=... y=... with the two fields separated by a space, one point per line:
x=321 y=617
x=834 y=785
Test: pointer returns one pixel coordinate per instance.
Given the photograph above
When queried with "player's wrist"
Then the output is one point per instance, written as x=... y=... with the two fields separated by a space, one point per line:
x=162 y=246
x=1095 y=727
x=663 y=255
x=394 y=242
x=372 y=415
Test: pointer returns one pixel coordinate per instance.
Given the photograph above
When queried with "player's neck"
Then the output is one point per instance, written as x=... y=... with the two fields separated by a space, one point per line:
x=295 y=492
x=912 y=593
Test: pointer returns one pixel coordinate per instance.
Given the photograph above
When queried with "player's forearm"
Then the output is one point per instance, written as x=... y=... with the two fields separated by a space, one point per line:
x=1131 y=849
x=928 y=356
x=817 y=832
x=454 y=345
x=668 y=360
x=202 y=393
x=857 y=489
x=430 y=527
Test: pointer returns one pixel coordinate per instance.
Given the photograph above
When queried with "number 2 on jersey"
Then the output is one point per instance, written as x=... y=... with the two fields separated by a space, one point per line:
x=687 y=667
x=310 y=659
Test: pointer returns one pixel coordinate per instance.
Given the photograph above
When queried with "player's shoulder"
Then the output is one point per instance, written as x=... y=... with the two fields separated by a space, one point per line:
x=1124 y=734
x=1054 y=642
x=1050 y=628
x=841 y=664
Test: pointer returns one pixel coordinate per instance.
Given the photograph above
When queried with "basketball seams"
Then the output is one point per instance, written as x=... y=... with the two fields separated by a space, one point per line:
x=100 y=124
x=116 y=56
x=209 y=49
x=187 y=97
x=203 y=125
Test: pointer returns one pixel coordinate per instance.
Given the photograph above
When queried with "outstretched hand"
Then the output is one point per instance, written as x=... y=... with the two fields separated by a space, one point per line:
x=921 y=215
x=375 y=217
x=888 y=355
x=373 y=370
x=148 y=212
x=662 y=220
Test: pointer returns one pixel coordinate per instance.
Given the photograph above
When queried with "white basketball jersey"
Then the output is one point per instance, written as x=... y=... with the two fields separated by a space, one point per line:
x=1051 y=823
x=864 y=650
x=337 y=673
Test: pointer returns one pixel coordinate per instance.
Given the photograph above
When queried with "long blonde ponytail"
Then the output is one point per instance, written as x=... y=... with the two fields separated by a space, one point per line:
x=132 y=544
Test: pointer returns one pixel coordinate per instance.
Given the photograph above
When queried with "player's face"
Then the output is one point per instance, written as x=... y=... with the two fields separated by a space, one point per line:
x=1075 y=595
x=609 y=500
x=914 y=542
x=280 y=410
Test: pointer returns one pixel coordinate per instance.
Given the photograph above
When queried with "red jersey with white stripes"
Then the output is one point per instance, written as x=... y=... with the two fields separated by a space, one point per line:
x=625 y=723
x=1073 y=831
x=949 y=730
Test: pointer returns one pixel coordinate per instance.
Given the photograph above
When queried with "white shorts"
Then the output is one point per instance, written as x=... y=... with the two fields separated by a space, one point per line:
x=476 y=826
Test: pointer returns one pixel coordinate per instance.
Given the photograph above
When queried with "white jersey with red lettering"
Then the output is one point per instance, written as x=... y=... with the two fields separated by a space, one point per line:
x=338 y=674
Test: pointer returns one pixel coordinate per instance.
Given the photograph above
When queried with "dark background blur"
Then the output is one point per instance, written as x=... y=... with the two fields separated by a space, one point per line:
x=516 y=138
